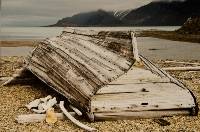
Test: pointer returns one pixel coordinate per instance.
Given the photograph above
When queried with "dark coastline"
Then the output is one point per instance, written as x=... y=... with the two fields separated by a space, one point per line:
x=170 y=35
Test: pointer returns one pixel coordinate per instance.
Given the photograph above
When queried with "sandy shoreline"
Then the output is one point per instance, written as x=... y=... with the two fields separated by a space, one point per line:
x=13 y=99
x=18 y=43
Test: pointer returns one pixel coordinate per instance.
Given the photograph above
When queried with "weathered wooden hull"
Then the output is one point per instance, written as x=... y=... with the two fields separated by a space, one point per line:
x=141 y=94
x=78 y=65
x=96 y=72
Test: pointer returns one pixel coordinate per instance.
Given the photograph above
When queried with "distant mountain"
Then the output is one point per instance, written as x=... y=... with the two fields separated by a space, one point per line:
x=163 y=13
x=157 y=13
x=94 y=18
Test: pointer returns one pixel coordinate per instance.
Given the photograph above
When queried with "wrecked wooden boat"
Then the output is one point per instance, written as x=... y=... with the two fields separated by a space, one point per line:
x=102 y=74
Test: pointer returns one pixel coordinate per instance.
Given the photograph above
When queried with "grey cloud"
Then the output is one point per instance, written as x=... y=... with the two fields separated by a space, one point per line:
x=44 y=12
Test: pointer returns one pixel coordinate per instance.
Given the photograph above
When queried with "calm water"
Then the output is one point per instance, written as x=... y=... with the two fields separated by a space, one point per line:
x=163 y=49
x=24 y=33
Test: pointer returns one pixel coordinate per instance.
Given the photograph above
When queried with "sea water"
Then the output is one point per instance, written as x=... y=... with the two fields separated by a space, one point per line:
x=35 y=33
x=163 y=49
x=28 y=33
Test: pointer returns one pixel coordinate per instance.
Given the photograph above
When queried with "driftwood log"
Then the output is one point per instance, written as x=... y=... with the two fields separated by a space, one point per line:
x=21 y=76
x=180 y=62
x=188 y=68
x=78 y=112
x=70 y=117
x=135 y=47
x=31 y=118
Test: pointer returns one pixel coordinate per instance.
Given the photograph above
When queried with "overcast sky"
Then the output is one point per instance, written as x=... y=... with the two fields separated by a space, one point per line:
x=45 y=12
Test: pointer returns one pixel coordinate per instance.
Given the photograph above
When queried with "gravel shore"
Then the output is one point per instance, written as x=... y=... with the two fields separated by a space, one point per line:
x=14 y=98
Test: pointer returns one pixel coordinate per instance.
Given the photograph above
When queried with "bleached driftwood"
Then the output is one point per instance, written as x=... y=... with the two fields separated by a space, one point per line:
x=135 y=47
x=15 y=80
x=42 y=104
x=38 y=111
x=46 y=103
x=50 y=103
x=77 y=111
x=73 y=119
x=46 y=98
x=21 y=76
x=178 y=62
x=8 y=81
x=5 y=78
x=19 y=72
x=38 y=117
x=197 y=68
x=33 y=104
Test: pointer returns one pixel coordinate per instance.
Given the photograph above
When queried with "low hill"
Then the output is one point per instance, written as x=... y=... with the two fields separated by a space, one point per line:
x=95 y=18
x=162 y=13
x=191 y=26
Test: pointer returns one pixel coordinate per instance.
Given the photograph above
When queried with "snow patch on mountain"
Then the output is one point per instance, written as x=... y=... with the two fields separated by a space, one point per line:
x=121 y=14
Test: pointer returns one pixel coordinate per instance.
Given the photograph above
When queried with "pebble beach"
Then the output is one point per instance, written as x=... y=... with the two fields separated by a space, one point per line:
x=14 y=98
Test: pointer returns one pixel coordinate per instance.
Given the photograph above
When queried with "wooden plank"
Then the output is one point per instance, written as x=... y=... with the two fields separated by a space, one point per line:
x=111 y=66
x=92 y=60
x=139 y=75
x=151 y=67
x=83 y=70
x=170 y=88
x=83 y=62
x=159 y=91
x=119 y=60
x=135 y=47
x=140 y=114
x=185 y=63
x=119 y=46
x=186 y=68
x=160 y=72
x=140 y=104
x=88 y=63
x=80 y=63
x=156 y=96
